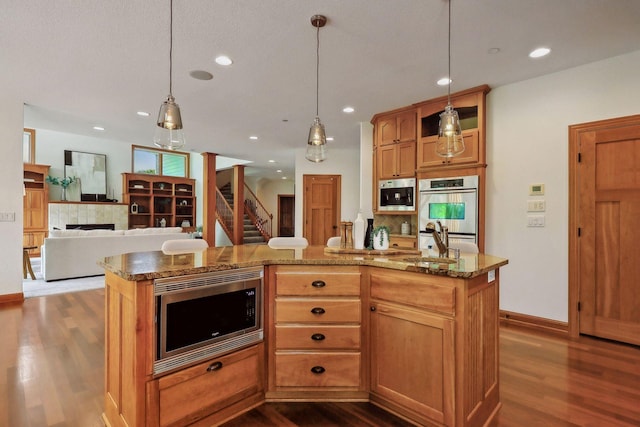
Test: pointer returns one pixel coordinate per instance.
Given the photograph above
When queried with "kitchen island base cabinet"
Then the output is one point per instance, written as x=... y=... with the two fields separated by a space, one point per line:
x=434 y=347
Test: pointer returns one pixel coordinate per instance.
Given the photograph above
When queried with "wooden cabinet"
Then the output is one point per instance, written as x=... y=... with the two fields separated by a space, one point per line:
x=35 y=206
x=396 y=128
x=199 y=391
x=152 y=198
x=470 y=105
x=434 y=347
x=395 y=145
x=202 y=394
x=316 y=324
x=403 y=242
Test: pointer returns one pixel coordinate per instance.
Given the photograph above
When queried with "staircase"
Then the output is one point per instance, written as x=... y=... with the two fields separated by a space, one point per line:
x=250 y=233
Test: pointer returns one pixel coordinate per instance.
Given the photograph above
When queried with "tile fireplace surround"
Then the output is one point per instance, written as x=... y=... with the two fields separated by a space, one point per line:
x=63 y=213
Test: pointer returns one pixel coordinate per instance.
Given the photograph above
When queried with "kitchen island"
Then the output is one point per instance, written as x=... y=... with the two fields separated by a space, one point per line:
x=415 y=337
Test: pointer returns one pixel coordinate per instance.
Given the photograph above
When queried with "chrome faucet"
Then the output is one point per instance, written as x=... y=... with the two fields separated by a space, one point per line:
x=441 y=238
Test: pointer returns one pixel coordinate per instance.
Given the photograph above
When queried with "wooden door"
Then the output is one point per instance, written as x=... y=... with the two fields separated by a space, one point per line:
x=321 y=207
x=286 y=218
x=606 y=212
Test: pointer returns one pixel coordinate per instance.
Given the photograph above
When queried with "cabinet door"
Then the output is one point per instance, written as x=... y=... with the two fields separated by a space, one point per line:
x=35 y=210
x=406 y=125
x=386 y=132
x=386 y=156
x=412 y=360
x=406 y=159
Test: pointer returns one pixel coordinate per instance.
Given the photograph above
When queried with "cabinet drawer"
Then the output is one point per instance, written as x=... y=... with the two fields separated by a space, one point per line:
x=198 y=391
x=318 y=370
x=317 y=310
x=412 y=290
x=318 y=283
x=318 y=337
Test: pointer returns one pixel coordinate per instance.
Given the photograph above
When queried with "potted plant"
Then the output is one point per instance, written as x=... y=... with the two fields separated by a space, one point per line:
x=63 y=182
x=380 y=237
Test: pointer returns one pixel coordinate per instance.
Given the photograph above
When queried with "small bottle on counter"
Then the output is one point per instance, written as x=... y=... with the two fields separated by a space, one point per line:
x=343 y=234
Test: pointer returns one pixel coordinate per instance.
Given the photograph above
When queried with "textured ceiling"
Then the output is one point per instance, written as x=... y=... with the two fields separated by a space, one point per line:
x=96 y=62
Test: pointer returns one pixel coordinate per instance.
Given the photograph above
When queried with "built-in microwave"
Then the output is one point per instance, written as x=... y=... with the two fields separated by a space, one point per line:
x=397 y=195
x=203 y=315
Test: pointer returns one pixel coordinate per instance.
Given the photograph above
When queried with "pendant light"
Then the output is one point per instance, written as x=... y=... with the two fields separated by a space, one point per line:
x=317 y=143
x=169 y=133
x=450 y=141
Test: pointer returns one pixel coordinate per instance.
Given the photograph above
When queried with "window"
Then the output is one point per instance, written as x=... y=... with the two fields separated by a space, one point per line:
x=154 y=161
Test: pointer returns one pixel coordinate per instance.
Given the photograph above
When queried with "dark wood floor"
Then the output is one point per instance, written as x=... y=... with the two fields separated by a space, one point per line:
x=52 y=374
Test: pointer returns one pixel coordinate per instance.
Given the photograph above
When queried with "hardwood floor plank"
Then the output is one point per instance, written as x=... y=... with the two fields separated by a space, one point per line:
x=52 y=375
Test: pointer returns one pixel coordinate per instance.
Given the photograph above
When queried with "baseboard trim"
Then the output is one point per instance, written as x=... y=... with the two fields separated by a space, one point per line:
x=12 y=298
x=509 y=318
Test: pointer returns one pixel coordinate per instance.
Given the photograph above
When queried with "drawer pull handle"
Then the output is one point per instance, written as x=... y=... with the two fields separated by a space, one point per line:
x=318 y=284
x=317 y=370
x=215 y=366
x=317 y=337
x=317 y=310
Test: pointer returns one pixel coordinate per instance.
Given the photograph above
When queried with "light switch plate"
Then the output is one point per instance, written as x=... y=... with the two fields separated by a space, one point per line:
x=7 y=216
x=535 y=220
x=536 y=205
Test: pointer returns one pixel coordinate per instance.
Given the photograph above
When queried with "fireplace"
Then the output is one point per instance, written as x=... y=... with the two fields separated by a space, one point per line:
x=91 y=226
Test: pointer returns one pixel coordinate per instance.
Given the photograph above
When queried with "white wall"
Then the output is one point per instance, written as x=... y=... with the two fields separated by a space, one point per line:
x=527 y=143
x=345 y=162
x=268 y=190
x=11 y=118
x=50 y=146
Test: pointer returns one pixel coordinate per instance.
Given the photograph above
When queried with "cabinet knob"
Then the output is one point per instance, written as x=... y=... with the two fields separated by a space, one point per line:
x=317 y=310
x=317 y=370
x=215 y=366
x=318 y=284
x=373 y=308
x=317 y=337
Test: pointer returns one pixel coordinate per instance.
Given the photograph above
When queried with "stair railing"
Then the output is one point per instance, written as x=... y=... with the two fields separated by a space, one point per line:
x=224 y=214
x=257 y=213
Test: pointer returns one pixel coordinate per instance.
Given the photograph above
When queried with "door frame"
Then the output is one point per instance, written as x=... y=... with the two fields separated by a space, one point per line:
x=575 y=132
x=293 y=212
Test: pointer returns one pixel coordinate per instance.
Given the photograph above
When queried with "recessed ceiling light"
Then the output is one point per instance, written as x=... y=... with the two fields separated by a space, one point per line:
x=223 y=60
x=272 y=161
x=100 y=128
x=444 y=81
x=539 y=52
x=348 y=110
x=143 y=113
x=494 y=50
x=253 y=137
x=284 y=177
x=329 y=138
x=279 y=171
x=201 y=75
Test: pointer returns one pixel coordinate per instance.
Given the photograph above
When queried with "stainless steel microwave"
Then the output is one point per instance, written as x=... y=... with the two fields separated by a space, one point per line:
x=397 y=195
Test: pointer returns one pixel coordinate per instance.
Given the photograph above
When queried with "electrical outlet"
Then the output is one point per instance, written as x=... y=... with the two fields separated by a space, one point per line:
x=535 y=220
x=536 y=205
x=7 y=216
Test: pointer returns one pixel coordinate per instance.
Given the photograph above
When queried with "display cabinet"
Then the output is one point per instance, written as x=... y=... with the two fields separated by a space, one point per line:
x=156 y=201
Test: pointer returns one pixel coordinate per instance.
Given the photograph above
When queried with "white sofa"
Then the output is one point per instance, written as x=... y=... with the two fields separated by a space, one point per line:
x=74 y=253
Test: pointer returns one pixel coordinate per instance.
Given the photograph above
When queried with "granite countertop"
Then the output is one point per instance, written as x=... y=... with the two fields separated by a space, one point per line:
x=156 y=264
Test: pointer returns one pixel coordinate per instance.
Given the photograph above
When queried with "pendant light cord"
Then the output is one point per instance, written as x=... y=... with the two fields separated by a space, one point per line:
x=170 y=45
x=449 y=49
x=317 y=67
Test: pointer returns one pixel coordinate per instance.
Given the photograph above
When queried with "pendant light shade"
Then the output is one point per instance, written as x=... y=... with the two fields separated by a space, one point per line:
x=317 y=145
x=317 y=142
x=450 y=141
x=169 y=134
